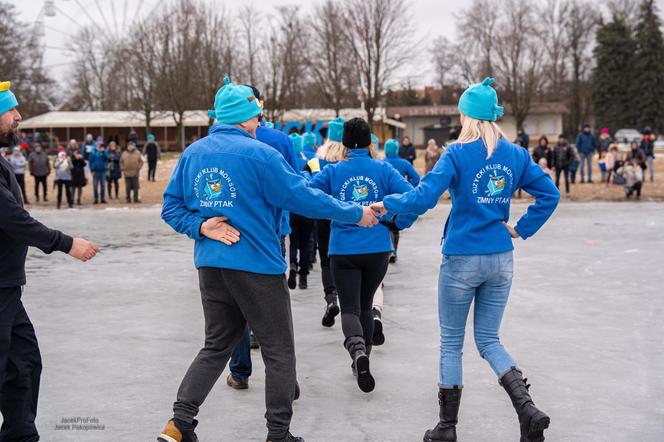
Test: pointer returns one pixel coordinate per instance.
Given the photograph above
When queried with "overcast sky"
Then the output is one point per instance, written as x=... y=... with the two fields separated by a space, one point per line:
x=430 y=19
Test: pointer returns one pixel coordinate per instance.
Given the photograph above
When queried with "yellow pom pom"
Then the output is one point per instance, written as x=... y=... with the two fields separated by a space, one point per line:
x=4 y=86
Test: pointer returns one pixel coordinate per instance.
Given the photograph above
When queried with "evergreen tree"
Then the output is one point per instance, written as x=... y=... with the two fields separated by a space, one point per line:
x=612 y=75
x=648 y=70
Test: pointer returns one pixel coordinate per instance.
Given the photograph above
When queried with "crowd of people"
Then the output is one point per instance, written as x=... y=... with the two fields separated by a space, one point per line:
x=627 y=169
x=103 y=164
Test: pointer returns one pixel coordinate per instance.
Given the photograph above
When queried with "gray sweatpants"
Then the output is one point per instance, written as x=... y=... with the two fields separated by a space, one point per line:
x=230 y=296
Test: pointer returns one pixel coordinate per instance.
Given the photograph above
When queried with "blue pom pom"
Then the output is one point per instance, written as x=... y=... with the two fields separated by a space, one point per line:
x=499 y=111
x=227 y=80
x=487 y=81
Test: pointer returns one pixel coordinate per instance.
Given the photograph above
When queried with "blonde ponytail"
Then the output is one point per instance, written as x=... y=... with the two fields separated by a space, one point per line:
x=488 y=131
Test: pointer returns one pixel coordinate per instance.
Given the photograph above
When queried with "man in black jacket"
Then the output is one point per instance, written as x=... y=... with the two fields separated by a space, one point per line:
x=407 y=150
x=20 y=361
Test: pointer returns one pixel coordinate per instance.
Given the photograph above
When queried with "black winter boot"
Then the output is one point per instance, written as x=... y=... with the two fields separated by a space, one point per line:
x=449 y=400
x=288 y=438
x=292 y=279
x=533 y=422
x=303 y=282
x=331 y=311
x=358 y=353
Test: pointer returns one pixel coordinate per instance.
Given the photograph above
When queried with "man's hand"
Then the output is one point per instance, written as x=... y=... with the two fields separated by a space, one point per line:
x=379 y=208
x=368 y=218
x=513 y=233
x=83 y=250
x=219 y=230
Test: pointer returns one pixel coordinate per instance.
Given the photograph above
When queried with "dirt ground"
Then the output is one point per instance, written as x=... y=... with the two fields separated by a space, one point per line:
x=151 y=193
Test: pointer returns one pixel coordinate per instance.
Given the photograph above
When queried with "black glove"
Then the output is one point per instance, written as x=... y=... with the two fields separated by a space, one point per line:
x=391 y=224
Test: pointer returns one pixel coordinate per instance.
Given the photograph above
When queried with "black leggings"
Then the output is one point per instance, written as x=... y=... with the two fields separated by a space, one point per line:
x=323 y=234
x=152 y=169
x=40 y=180
x=357 y=278
x=66 y=186
x=299 y=241
x=113 y=182
x=565 y=172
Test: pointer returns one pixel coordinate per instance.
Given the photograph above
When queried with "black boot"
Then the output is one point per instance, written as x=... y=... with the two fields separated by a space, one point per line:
x=292 y=279
x=303 y=282
x=289 y=438
x=378 y=336
x=449 y=400
x=331 y=311
x=358 y=353
x=533 y=422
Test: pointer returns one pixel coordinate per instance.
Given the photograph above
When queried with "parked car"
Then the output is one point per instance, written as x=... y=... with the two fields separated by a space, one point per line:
x=625 y=136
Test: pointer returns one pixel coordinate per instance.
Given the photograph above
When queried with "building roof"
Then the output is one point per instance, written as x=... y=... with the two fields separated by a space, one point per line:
x=93 y=119
x=400 y=112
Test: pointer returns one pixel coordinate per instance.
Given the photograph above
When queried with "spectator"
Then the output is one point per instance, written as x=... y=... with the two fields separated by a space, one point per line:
x=605 y=141
x=633 y=175
x=542 y=163
x=63 y=167
x=98 y=165
x=131 y=163
x=543 y=151
x=585 y=146
x=613 y=162
x=431 y=156
x=114 y=173
x=73 y=147
x=152 y=152
x=25 y=138
x=522 y=139
x=574 y=166
x=637 y=156
x=78 y=175
x=18 y=163
x=601 y=163
x=407 y=150
x=132 y=137
x=563 y=156
x=88 y=147
x=40 y=168
x=648 y=147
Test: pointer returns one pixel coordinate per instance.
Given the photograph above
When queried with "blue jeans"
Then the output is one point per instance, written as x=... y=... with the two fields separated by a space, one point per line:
x=240 y=364
x=99 y=185
x=586 y=158
x=651 y=166
x=487 y=279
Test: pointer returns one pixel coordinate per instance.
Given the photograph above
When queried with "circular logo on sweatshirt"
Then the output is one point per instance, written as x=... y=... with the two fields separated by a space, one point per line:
x=492 y=184
x=359 y=189
x=214 y=188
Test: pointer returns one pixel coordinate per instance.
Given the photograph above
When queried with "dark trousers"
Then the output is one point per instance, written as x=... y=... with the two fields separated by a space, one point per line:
x=635 y=188
x=357 y=277
x=131 y=184
x=113 y=182
x=78 y=192
x=20 y=369
x=20 y=177
x=40 y=180
x=240 y=364
x=323 y=236
x=152 y=169
x=230 y=296
x=299 y=242
x=66 y=186
x=565 y=172
x=394 y=234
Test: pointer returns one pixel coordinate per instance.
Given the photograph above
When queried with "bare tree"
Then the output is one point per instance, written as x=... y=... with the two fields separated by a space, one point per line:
x=518 y=61
x=334 y=78
x=250 y=19
x=477 y=26
x=378 y=34
x=555 y=18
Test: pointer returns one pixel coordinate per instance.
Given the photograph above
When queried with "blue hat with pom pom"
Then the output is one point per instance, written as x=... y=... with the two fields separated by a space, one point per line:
x=480 y=101
x=297 y=142
x=335 y=130
x=391 y=147
x=8 y=100
x=309 y=141
x=234 y=104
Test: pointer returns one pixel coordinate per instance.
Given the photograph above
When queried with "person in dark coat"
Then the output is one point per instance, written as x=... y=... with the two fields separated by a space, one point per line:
x=78 y=179
x=407 y=150
x=586 y=143
x=563 y=156
x=20 y=359
x=648 y=147
x=543 y=151
x=152 y=151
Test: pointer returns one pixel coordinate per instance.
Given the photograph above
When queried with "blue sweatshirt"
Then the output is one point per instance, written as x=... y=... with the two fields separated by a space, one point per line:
x=586 y=142
x=363 y=181
x=404 y=168
x=280 y=141
x=98 y=161
x=481 y=191
x=229 y=173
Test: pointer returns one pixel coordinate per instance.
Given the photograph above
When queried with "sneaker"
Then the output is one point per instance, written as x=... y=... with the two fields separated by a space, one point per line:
x=378 y=336
x=253 y=342
x=172 y=433
x=292 y=279
x=235 y=384
x=331 y=311
x=393 y=258
x=365 y=380
x=289 y=438
x=303 y=282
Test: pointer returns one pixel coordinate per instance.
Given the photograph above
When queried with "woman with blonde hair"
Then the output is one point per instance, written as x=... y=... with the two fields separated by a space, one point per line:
x=481 y=171
x=431 y=156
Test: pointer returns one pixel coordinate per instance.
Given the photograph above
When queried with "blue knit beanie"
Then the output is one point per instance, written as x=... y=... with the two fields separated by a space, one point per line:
x=480 y=101
x=8 y=100
x=297 y=142
x=309 y=141
x=234 y=104
x=150 y=137
x=335 y=130
x=391 y=147
x=375 y=141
